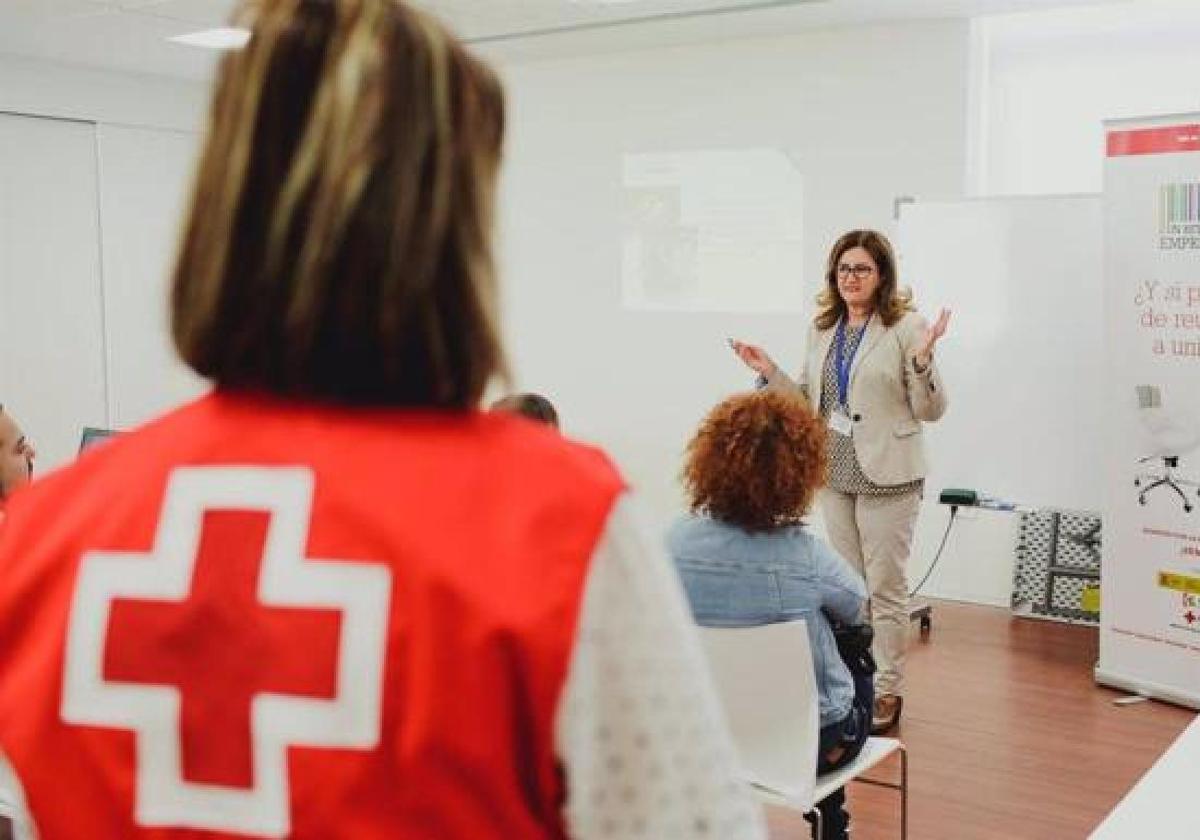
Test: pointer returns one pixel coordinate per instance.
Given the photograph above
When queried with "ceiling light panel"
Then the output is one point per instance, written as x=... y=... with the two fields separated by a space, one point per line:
x=221 y=38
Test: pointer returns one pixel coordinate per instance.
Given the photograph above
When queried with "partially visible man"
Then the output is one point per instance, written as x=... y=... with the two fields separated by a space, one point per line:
x=16 y=468
x=16 y=457
x=533 y=406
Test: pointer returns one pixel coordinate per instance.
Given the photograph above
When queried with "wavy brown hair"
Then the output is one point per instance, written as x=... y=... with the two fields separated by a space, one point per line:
x=338 y=244
x=757 y=461
x=891 y=302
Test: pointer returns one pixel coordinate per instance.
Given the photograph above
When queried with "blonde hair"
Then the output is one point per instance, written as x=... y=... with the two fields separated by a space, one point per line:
x=338 y=244
x=891 y=302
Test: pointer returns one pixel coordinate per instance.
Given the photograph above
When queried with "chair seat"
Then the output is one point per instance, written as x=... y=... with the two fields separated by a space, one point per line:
x=873 y=752
x=775 y=796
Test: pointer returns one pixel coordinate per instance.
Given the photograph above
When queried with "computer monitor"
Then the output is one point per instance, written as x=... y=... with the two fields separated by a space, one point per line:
x=93 y=436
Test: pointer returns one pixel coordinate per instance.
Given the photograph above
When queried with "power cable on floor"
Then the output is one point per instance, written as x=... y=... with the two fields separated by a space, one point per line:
x=941 y=548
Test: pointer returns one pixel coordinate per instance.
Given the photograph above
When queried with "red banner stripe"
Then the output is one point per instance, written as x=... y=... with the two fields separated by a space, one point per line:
x=1154 y=141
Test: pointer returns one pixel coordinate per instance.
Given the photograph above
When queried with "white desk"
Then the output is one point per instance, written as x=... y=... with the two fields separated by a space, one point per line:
x=1163 y=802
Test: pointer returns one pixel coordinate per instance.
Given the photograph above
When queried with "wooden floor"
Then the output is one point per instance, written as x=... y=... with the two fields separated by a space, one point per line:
x=1008 y=736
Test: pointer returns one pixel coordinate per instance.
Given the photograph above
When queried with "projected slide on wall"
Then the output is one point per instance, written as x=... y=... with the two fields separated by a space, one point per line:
x=712 y=231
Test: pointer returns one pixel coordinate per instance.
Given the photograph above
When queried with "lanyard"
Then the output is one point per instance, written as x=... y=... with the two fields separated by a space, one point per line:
x=844 y=359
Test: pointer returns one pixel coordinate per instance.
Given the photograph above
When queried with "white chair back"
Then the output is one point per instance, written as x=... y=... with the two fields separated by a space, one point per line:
x=766 y=683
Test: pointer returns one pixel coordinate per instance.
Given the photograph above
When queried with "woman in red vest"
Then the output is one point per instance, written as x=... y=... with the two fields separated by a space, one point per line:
x=332 y=598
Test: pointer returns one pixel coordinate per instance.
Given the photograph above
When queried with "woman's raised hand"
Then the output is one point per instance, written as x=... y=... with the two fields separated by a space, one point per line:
x=754 y=358
x=931 y=337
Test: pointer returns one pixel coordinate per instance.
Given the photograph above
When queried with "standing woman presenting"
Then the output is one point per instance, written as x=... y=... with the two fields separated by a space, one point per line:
x=869 y=369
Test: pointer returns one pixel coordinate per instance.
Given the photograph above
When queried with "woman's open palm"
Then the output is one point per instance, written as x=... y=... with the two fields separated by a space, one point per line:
x=932 y=335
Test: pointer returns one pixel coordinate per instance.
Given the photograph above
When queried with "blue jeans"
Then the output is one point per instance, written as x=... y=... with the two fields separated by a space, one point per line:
x=849 y=734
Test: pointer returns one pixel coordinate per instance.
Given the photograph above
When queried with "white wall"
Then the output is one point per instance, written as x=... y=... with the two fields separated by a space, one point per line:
x=96 y=165
x=866 y=114
x=43 y=88
x=1051 y=78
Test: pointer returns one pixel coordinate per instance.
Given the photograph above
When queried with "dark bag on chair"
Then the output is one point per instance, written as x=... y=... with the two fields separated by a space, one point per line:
x=854 y=644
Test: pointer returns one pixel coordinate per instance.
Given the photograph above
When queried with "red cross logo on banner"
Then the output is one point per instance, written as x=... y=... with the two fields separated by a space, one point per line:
x=224 y=646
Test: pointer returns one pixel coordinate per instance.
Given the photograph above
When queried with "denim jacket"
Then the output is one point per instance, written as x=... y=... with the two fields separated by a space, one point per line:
x=735 y=578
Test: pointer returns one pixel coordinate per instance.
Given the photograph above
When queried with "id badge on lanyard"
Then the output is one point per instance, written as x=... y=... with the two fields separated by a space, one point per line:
x=841 y=423
x=843 y=359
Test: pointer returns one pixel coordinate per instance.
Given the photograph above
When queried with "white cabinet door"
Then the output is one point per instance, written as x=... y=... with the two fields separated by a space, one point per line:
x=145 y=176
x=52 y=366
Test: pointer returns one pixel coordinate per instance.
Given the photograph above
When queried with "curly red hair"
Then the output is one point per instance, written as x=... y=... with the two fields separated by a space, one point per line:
x=757 y=461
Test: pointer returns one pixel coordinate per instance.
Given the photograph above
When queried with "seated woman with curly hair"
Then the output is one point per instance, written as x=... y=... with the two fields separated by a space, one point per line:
x=746 y=557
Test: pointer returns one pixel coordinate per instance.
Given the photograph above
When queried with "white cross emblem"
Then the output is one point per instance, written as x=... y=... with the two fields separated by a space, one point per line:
x=360 y=592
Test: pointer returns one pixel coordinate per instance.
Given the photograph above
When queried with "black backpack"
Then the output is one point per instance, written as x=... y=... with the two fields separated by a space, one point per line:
x=854 y=644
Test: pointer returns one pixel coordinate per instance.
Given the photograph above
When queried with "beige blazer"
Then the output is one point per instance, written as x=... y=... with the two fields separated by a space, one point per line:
x=888 y=399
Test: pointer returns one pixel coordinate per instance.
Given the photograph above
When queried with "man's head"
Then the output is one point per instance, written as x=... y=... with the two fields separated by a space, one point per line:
x=16 y=455
x=533 y=406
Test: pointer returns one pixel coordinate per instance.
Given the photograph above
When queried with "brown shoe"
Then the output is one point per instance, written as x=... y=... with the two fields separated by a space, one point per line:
x=886 y=714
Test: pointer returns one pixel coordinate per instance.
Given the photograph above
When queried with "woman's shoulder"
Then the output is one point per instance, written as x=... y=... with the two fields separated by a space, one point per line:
x=799 y=549
x=684 y=529
x=699 y=531
x=694 y=536
x=801 y=535
x=695 y=526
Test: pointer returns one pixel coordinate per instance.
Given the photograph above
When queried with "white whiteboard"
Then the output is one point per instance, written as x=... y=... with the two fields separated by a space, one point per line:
x=1023 y=356
x=1022 y=363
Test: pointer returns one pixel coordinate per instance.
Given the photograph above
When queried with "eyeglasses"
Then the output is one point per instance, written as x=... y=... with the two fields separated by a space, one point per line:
x=861 y=271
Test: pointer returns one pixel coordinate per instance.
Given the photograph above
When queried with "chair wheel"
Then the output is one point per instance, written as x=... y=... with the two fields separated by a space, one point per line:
x=926 y=626
x=1142 y=499
x=1187 y=508
x=1137 y=482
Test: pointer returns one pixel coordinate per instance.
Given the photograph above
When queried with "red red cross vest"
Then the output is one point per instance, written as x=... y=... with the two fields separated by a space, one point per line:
x=260 y=619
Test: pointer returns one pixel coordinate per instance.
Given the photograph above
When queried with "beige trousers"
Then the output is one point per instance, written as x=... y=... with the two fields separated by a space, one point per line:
x=874 y=534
